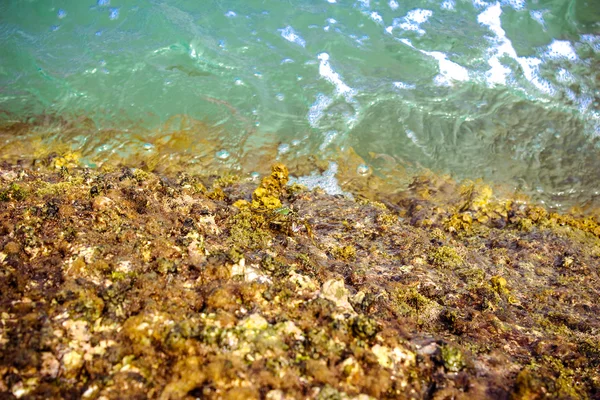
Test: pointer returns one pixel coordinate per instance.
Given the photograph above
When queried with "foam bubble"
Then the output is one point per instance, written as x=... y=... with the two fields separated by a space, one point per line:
x=363 y=170
x=393 y=4
x=222 y=155
x=61 y=14
x=230 y=14
x=413 y=138
x=283 y=148
x=113 y=14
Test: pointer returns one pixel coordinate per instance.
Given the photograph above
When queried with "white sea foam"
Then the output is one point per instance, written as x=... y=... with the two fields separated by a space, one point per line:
x=376 y=17
x=502 y=46
x=393 y=4
x=448 y=5
x=316 y=110
x=449 y=70
x=531 y=70
x=402 y=85
x=561 y=49
x=585 y=103
x=515 y=4
x=328 y=137
x=592 y=40
x=327 y=72
x=538 y=15
x=406 y=42
x=290 y=35
x=480 y=3
x=413 y=20
x=564 y=76
x=326 y=181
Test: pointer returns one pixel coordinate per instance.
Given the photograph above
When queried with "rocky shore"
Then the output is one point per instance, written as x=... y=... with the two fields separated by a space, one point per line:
x=122 y=283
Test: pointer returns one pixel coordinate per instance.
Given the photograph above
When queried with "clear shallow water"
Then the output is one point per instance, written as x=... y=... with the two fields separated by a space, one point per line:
x=505 y=90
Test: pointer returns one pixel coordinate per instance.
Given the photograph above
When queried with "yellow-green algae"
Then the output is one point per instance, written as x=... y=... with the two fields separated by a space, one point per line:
x=127 y=283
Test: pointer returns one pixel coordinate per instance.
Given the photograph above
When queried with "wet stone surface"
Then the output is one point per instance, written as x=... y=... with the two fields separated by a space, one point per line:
x=122 y=283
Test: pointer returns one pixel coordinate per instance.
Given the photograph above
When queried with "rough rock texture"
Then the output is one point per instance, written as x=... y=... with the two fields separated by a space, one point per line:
x=127 y=284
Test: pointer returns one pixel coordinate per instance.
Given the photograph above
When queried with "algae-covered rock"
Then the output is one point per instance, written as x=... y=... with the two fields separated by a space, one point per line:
x=254 y=321
x=452 y=358
x=134 y=283
x=335 y=291
x=446 y=256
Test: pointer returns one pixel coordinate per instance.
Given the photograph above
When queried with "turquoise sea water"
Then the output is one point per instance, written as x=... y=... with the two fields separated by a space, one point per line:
x=505 y=90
